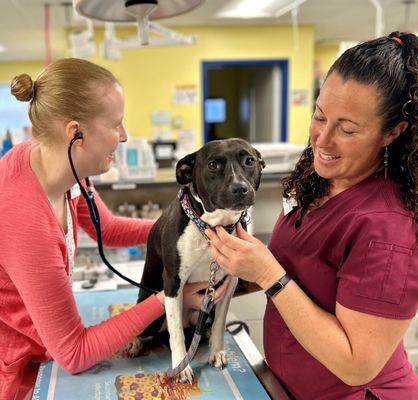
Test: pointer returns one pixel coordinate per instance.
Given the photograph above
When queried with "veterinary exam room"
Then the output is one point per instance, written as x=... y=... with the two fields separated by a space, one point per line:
x=208 y=199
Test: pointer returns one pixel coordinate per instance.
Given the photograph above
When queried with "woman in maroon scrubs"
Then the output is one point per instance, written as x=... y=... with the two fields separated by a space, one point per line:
x=344 y=247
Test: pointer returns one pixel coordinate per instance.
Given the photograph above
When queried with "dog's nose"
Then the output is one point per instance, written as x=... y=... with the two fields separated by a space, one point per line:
x=239 y=189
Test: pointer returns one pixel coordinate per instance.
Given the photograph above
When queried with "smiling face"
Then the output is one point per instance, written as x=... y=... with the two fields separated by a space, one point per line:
x=105 y=131
x=225 y=174
x=345 y=132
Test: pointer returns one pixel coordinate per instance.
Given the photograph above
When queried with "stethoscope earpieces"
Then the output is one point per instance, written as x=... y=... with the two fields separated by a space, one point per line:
x=78 y=135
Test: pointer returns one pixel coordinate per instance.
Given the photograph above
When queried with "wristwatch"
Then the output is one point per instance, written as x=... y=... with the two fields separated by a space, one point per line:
x=278 y=286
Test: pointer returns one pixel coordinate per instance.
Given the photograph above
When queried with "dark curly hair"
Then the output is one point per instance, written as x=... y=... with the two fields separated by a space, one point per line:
x=391 y=66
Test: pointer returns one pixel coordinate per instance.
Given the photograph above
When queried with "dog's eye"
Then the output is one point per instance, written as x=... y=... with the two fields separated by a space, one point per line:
x=213 y=165
x=249 y=161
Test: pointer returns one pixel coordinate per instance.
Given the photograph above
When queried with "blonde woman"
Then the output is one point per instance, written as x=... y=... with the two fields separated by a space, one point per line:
x=39 y=221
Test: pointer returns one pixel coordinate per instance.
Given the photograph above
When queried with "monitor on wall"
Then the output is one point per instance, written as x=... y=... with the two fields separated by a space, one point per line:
x=215 y=110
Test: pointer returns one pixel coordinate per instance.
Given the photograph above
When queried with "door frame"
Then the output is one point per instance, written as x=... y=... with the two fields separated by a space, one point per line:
x=282 y=63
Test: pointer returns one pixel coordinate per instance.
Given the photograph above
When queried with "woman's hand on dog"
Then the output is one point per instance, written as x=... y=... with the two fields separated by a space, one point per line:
x=244 y=256
x=192 y=299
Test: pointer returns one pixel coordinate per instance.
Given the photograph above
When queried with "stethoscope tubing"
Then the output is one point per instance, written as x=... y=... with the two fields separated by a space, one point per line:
x=95 y=218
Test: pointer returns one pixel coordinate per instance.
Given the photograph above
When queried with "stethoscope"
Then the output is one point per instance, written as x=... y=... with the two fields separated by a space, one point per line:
x=95 y=216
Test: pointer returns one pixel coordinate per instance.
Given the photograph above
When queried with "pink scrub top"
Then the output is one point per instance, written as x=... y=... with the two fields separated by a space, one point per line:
x=358 y=249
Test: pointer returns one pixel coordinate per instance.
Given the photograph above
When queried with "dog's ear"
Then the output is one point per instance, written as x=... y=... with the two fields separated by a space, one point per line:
x=260 y=159
x=184 y=169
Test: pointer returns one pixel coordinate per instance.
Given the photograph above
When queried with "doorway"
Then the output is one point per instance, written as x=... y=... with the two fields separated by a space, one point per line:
x=246 y=99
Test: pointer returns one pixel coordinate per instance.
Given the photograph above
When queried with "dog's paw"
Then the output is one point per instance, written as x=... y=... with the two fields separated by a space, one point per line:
x=186 y=376
x=133 y=348
x=218 y=359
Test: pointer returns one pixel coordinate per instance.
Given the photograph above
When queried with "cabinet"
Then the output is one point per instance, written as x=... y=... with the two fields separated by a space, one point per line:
x=163 y=189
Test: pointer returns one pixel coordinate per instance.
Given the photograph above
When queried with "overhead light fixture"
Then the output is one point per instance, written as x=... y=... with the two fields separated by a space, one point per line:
x=141 y=11
x=111 y=46
x=258 y=9
x=82 y=41
x=134 y=11
x=116 y=10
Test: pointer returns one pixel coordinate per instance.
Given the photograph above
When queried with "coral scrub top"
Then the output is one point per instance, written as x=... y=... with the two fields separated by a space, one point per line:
x=38 y=314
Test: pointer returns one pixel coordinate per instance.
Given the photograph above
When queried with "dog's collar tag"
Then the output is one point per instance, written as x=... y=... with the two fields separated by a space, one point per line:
x=289 y=204
x=75 y=191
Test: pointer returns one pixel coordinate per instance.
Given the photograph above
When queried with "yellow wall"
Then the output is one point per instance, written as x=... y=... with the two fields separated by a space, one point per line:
x=8 y=70
x=148 y=75
x=325 y=56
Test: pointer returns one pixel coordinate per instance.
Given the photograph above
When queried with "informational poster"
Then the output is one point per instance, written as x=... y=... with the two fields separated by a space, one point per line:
x=185 y=94
x=300 y=97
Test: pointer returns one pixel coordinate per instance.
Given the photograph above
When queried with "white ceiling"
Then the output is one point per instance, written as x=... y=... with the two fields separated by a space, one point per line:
x=22 y=22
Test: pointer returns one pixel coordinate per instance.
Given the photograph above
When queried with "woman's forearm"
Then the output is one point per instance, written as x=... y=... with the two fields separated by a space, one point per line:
x=318 y=332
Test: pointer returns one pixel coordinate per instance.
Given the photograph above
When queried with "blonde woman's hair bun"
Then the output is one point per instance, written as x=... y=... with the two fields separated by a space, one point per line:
x=23 y=87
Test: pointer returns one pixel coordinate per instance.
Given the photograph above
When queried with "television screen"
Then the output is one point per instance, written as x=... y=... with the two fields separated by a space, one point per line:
x=215 y=110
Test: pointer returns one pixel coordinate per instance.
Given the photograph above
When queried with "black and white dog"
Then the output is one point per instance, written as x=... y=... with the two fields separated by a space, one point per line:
x=220 y=181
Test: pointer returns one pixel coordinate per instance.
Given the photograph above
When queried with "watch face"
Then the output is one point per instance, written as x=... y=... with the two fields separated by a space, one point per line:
x=278 y=286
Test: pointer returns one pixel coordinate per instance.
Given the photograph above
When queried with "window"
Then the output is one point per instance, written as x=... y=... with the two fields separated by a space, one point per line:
x=13 y=115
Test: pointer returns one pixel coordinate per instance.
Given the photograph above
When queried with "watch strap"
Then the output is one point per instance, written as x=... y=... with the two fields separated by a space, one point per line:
x=278 y=286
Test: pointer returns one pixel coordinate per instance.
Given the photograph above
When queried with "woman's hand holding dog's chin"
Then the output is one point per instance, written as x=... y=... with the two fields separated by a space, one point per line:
x=245 y=256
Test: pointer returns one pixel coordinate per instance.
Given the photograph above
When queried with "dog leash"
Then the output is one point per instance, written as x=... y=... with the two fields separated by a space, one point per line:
x=209 y=299
x=205 y=309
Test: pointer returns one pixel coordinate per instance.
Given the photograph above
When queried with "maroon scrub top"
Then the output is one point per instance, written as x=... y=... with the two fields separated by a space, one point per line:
x=357 y=249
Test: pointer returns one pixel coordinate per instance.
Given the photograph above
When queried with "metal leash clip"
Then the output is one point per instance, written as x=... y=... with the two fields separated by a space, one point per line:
x=210 y=291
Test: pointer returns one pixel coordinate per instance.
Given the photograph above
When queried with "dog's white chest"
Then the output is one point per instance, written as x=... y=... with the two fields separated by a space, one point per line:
x=194 y=249
x=195 y=256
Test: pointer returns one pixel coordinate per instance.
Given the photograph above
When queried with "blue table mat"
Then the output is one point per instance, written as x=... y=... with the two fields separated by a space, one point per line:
x=237 y=381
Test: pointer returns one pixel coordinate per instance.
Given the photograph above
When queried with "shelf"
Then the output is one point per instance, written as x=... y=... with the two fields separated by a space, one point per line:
x=166 y=177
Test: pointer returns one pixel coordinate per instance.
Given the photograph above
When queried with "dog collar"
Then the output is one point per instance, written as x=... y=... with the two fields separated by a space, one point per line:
x=188 y=209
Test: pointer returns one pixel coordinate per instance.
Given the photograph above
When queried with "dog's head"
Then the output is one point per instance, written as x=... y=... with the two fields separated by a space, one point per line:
x=225 y=174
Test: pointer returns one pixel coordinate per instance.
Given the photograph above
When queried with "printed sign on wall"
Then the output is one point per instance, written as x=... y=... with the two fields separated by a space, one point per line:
x=299 y=97
x=185 y=94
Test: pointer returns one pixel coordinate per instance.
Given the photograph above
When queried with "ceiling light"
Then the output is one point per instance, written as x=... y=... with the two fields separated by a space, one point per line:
x=246 y=9
x=258 y=9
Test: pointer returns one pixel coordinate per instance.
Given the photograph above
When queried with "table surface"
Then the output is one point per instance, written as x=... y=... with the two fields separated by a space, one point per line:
x=246 y=376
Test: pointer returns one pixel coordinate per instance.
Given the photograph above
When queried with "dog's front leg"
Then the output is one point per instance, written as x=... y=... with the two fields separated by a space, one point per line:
x=174 y=315
x=217 y=356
